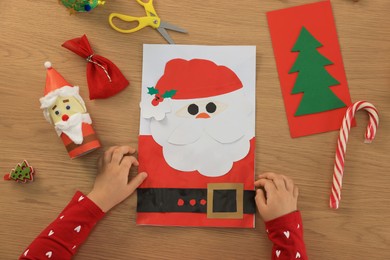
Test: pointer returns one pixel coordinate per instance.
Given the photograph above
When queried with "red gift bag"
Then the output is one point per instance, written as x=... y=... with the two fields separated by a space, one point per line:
x=103 y=76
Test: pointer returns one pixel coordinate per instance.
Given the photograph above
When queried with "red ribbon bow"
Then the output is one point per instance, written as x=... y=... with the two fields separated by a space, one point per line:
x=103 y=76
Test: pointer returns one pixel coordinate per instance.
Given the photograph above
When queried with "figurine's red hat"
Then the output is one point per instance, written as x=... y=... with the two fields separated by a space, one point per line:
x=53 y=79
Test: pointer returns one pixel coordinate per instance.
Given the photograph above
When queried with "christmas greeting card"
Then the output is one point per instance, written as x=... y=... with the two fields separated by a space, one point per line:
x=310 y=67
x=197 y=136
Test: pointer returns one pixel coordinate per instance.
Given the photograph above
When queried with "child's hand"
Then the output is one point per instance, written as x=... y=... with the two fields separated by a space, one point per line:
x=281 y=196
x=112 y=184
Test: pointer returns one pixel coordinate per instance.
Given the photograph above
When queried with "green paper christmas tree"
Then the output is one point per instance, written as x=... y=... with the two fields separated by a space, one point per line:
x=22 y=173
x=313 y=79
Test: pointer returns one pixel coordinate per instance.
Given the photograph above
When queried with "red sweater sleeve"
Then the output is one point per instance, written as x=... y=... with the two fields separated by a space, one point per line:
x=286 y=233
x=62 y=238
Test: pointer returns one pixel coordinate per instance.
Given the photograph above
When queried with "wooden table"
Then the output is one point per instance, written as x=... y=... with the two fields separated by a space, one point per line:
x=33 y=31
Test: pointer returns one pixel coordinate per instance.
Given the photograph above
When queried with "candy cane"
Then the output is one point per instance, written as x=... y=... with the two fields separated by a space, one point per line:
x=335 y=195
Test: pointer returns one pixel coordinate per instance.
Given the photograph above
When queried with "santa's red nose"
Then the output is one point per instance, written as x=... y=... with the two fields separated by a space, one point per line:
x=65 y=117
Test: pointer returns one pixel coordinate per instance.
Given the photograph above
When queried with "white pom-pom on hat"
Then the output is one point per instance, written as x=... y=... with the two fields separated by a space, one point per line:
x=47 y=65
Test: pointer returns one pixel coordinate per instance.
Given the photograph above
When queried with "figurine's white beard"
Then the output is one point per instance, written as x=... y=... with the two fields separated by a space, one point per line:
x=73 y=127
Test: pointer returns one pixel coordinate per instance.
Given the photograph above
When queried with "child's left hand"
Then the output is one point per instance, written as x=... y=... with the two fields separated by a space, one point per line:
x=281 y=196
x=112 y=183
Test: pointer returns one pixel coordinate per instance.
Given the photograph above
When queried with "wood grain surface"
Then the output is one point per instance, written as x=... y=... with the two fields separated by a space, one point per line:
x=33 y=31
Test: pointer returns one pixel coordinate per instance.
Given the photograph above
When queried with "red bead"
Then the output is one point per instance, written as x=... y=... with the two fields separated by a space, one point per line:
x=203 y=202
x=192 y=202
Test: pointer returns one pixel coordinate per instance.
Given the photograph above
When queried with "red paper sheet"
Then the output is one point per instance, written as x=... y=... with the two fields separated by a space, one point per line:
x=160 y=174
x=285 y=26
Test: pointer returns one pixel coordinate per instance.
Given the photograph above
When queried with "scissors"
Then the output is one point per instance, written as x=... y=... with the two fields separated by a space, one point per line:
x=151 y=19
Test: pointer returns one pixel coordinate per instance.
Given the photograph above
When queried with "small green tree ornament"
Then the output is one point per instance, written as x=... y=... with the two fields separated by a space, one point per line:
x=22 y=173
x=313 y=79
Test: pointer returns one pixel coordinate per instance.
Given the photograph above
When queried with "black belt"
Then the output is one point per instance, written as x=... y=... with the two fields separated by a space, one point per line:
x=228 y=200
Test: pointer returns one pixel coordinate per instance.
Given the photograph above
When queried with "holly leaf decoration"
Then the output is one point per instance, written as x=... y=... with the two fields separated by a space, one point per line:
x=169 y=93
x=152 y=91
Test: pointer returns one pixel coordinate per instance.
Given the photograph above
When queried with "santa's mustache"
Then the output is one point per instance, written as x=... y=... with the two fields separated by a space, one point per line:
x=73 y=121
x=72 y=127
x=190 y=132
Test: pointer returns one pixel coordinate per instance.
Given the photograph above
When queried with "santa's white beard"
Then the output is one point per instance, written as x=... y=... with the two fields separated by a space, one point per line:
x=73 y=127
x=211 y=145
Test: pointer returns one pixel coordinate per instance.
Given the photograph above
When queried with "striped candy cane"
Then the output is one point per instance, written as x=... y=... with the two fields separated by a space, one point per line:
x=335 y=195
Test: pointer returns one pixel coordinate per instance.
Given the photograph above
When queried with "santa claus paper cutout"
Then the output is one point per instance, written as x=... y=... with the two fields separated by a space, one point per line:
x=65 y=109
x=197 y=136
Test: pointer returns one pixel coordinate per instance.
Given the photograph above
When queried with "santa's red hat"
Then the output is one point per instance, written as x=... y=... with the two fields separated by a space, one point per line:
x=54 y=80
x=197 y=78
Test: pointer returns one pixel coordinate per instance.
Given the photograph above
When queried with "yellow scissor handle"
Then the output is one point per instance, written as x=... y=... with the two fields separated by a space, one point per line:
x=151 y=18
x=149 y=8
x=142 y=22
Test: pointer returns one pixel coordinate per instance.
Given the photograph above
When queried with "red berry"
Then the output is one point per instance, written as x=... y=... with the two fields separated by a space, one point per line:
x=155 y=102
x=157 y=99
x=160 y=98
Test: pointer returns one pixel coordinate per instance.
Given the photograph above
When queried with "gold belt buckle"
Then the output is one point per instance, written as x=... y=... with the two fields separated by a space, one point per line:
x=238 y=187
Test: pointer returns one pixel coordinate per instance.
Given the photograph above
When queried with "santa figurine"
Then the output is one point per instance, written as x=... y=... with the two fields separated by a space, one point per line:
x=64 y=108
x=199 y=154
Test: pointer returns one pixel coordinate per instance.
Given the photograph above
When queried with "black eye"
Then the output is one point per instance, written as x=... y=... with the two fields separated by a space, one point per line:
x=67 y=107
x=193 y=109
x=211 y=107
x=57 y=112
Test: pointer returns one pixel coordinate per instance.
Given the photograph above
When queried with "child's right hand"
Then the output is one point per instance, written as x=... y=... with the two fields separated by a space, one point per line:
x=281 y=196
x=112 y=184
